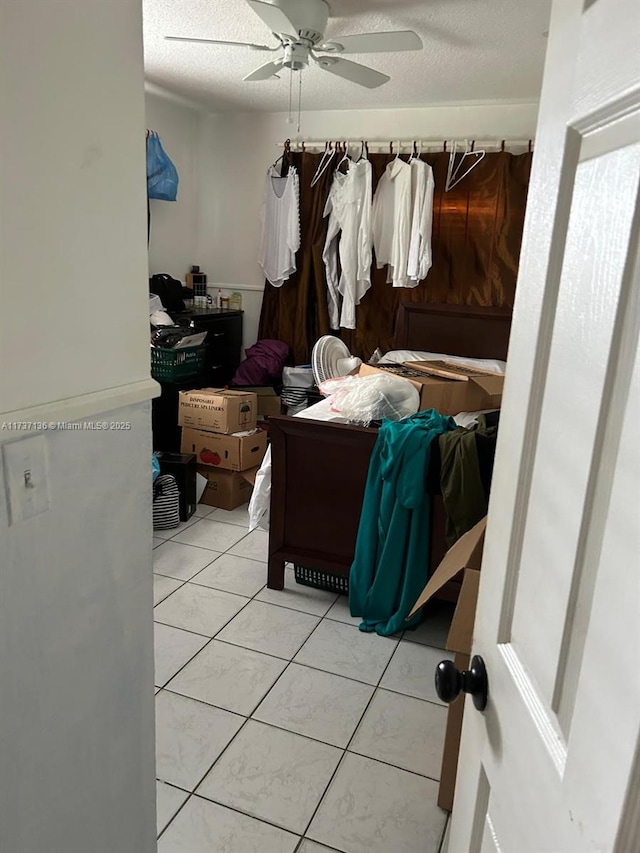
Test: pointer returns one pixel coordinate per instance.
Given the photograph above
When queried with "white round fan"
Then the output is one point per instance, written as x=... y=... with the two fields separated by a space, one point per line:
x=331 y=358
x=298 y=27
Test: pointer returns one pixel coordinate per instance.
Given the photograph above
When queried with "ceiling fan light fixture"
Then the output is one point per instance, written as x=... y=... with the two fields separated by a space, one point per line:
x=296 y=56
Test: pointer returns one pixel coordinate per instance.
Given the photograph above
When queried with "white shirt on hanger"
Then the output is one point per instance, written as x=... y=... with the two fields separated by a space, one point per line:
x=349 y=210
x=280 y=239
x=422 y=187
x=391 y=222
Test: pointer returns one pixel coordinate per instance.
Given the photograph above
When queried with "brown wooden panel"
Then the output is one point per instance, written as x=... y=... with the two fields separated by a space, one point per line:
x=318 y=480
x=475 y=332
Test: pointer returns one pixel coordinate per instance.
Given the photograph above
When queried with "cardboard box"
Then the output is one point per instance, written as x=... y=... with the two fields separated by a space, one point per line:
x=269 y=403
x=218 y=410
x=231 y=452
x=224 y=489
x=465 y=556
x=471 y=393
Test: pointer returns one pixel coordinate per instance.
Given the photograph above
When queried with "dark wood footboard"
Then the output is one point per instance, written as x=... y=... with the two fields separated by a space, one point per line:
x=319 y=473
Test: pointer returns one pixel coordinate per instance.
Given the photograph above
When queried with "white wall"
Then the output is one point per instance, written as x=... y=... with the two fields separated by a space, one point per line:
x=76 y=638
x=172 y=247
x=236 y=150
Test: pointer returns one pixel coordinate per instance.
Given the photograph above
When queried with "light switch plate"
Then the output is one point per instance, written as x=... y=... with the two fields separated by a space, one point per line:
x=26 y=475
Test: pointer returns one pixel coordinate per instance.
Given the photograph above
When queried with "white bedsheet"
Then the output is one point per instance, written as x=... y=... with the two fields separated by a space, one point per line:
x=399 y=356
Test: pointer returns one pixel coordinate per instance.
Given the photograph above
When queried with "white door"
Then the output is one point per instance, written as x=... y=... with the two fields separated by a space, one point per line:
x=553 y=764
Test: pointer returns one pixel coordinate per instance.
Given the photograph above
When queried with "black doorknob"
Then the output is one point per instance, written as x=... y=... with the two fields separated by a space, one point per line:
x=450 y=682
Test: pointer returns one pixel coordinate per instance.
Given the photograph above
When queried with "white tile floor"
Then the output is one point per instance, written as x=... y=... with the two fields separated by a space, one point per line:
x=281 y=728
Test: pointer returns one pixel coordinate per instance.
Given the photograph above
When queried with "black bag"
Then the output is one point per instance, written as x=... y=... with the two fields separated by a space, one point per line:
x=169 y=290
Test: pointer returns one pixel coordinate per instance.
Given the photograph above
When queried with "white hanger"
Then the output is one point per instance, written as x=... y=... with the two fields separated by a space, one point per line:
x=453 y=174
x=364 y=152
x=345 y=155
x=417 y=151
x=323 y=164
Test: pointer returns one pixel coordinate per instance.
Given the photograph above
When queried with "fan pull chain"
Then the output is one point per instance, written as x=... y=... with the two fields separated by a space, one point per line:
x=299 y=97
x=290 y=117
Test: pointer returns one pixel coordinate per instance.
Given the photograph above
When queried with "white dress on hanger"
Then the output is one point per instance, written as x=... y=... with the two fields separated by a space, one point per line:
x=349 y=237
x=422 y=187
x=280 y=239
x=391 y=222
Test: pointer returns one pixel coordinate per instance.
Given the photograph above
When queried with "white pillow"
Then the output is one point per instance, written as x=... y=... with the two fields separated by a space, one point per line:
x=399 y=356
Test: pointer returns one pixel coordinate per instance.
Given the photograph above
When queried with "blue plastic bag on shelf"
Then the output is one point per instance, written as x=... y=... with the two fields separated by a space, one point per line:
x=155 y=467
x=162 y=175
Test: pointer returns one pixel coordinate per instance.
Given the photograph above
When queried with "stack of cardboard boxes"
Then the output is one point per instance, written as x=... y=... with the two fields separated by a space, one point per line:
x=219 y=427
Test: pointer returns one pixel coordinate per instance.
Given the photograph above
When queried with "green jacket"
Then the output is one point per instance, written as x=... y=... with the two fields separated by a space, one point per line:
x=391 y=562
x=465 y=496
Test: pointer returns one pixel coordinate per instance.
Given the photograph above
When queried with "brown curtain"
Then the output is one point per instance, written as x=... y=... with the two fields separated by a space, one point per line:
x=477 y=233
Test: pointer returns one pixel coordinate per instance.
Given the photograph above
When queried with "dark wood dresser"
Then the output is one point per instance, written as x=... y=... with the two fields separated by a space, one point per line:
x=222 y=357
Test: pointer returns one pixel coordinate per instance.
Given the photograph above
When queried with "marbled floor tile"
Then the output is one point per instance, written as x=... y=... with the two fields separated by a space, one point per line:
x=203 y=511
x=373 y=808
x=181 y=561
x=403 y=731
x=308 y=846
x=444 y=844
x=239 y=516
x=272 y=774
x=255 y=546
x=316 y=704
x=205 y=827
x=157 y=541
x=266 y=628
x=162 y=587
x=412 y=670
x=199 y=609
x=173 y=647
x=168 y=801
x=344 y=650
x=229 y=676
x=189 y=737
x=234 y=574
x=434 y=628
x=211 y=534
x=340 y=612
x=169 y=534
x=299 y=597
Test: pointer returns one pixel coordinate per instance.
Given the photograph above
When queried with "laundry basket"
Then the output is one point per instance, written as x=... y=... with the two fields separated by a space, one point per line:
x=168 y=365
x=321 y=580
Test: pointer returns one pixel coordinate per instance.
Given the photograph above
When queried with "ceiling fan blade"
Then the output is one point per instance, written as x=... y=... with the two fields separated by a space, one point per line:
x=373 y=43
x=352 y=71
x=265 y=71
x=216 y=41
x=274 y=18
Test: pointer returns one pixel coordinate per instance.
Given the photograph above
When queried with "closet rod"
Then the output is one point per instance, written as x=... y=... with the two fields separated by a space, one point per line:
x=296 y=144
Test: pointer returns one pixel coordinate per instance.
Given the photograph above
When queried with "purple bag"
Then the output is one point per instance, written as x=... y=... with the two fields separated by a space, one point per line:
x=263 y=364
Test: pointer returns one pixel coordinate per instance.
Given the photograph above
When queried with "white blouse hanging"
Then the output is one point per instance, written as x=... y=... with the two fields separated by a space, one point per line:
x=349 y=209
x=280 y=239
x=422 y=187
x=391 y=222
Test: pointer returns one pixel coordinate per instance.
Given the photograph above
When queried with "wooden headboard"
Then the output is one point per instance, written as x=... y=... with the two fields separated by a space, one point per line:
x=475 y=332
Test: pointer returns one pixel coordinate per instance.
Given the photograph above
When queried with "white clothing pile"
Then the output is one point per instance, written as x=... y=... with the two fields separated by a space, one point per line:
x=402 y=220
x=349 y=209
x=280 y=239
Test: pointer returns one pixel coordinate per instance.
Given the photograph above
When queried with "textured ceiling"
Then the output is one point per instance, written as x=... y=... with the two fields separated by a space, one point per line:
x=474 y=50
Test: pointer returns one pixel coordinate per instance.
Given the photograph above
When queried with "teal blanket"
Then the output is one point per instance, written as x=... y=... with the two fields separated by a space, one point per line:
x=391 y=561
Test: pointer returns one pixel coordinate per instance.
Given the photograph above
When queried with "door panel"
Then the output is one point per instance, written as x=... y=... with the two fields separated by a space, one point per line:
x=594 y=265
x=547 y=767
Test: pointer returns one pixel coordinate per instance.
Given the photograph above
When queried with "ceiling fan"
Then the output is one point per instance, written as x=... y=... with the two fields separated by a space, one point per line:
x=299 y=25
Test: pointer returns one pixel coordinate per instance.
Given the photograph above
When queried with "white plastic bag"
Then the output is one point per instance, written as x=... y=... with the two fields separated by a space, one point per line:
x=363 y=399
x=260 y=503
